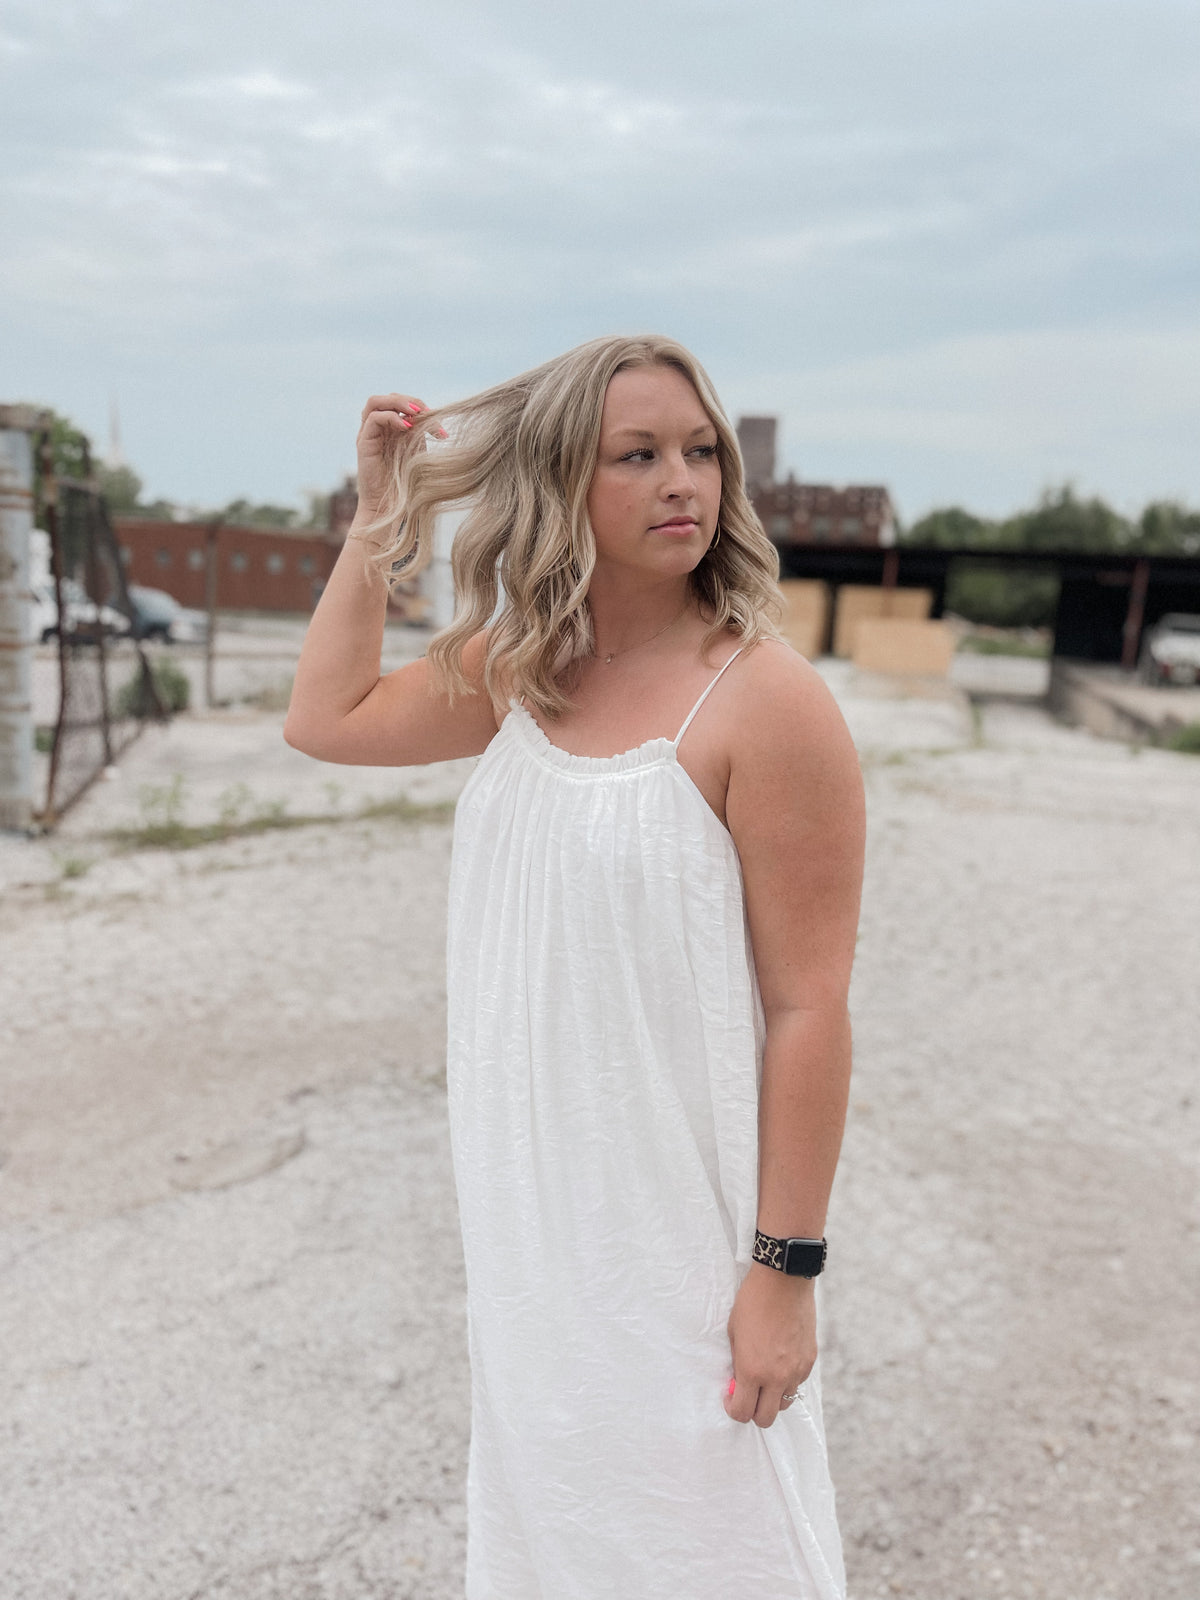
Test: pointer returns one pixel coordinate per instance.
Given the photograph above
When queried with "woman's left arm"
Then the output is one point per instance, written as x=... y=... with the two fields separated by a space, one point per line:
x=795 y=810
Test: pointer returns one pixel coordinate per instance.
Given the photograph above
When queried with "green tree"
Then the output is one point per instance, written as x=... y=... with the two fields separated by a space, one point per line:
x=951 y=528
x=121 y=488
x=1061 y=521
x=69 y=453
x=1167 y=528
x=248 y=514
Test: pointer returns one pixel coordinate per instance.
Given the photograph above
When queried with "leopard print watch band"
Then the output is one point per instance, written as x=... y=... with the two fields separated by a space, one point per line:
x=799 y=1258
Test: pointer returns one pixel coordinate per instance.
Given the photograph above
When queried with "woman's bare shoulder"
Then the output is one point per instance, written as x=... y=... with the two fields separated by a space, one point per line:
x=781 y=709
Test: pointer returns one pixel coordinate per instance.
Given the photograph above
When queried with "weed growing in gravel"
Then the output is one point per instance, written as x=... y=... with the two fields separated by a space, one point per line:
x=1186 y=739
x=275 y=696
x=72 y=866
x=405 y=810
x=163 y=827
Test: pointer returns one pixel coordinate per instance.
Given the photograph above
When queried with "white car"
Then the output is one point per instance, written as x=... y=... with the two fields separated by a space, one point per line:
x=1171 y=650
x=85 y=619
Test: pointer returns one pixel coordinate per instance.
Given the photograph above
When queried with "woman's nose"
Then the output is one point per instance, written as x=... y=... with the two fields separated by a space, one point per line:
x=678 y=479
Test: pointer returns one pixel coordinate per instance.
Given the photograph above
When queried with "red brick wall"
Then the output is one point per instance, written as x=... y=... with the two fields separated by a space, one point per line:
x=261 y=569
x=817 y=513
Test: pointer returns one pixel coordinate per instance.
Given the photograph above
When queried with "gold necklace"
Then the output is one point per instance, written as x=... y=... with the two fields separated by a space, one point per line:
x=644 y=642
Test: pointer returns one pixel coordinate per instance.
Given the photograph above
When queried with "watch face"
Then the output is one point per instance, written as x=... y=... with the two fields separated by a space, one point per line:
x=804 y=1258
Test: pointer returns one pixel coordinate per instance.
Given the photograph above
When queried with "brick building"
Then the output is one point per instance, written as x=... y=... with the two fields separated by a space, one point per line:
x=810 y=513
x=259 y=569
x=817 y=513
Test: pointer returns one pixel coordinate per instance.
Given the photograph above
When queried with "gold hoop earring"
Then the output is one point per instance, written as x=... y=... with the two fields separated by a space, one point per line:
x=716 y=541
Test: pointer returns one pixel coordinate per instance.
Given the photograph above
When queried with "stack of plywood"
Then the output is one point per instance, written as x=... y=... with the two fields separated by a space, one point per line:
x=908 y=645
x=857 y=602
x=805 y=623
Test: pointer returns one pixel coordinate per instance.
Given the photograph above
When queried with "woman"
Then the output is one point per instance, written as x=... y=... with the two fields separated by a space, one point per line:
x=648 y=958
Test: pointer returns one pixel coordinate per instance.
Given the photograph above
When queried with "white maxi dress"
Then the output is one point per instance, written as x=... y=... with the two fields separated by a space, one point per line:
x=604 y=1057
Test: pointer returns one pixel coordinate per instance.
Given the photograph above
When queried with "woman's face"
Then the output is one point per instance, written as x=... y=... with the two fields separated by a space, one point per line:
x=655 y=493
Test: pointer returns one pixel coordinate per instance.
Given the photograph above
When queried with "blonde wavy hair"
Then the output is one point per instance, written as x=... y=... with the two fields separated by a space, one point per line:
x=520 y=457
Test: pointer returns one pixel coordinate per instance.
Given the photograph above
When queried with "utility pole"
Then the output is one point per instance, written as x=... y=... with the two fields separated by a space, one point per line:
x=17 y=424
x=210 y=606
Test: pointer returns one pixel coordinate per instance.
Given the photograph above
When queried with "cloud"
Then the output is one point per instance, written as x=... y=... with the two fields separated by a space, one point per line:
x=874 y=222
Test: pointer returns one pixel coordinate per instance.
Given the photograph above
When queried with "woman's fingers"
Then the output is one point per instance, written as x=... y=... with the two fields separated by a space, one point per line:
x=753 y=1402
x=399 y=403
x=741 y=1400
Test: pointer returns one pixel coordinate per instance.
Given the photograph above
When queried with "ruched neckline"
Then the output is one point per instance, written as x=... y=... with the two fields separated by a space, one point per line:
x=651 y=752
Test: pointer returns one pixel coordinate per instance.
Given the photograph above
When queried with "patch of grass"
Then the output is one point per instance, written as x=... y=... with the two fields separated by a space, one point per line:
x=402 y=809
x=993 y=644
x=73 y=866
x=163 y=828
x=1186 y=739
x=901 y=758
x=271 y=696
x=173 y=685
x=43 y=740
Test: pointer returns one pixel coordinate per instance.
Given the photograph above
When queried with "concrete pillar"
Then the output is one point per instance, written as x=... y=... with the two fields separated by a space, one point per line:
x=438 y=578
x=16 y=643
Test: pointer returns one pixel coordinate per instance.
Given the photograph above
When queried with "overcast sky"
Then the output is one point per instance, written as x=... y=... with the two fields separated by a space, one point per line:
x=954 y=246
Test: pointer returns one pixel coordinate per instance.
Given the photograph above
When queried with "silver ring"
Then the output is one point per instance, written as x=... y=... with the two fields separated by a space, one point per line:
x=794 y=1396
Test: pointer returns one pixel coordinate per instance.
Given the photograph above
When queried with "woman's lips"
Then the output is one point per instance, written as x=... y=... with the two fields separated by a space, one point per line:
x=676 y=530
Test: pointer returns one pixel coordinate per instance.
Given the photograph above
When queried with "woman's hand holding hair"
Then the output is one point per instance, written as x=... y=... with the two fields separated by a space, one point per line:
x=773 y=1339
x=386 y=423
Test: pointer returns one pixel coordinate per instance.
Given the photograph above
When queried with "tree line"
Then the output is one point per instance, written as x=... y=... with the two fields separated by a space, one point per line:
x=123 y=489
x=1061 y=520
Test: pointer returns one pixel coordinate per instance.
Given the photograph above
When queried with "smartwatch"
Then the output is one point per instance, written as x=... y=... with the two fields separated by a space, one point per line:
x=799 y=1258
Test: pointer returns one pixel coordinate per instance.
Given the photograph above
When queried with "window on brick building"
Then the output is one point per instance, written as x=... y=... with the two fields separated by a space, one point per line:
x=821 y=527
x=851 y=527
x=781 y=526
x=237 y=561
x=306 y=563
x=195 y=559
x=162 y=557
x=274 y=562
x=126 y=555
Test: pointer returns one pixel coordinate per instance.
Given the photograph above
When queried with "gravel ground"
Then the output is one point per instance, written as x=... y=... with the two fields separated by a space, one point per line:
x=232 y=1289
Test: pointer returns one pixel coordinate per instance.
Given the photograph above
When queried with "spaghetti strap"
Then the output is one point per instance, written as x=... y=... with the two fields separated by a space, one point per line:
x=688 y=719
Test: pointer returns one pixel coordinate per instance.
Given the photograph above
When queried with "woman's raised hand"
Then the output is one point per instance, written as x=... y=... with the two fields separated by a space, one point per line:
x=386 y=422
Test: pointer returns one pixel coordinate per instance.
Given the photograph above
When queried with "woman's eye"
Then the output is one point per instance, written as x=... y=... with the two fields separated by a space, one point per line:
x=706 y=450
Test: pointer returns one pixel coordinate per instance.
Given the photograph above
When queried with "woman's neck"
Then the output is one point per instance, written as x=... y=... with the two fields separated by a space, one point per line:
x=624 y=617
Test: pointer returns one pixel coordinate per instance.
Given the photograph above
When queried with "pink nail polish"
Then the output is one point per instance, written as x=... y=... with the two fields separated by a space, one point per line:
x=732 y=1386
x=405 y=423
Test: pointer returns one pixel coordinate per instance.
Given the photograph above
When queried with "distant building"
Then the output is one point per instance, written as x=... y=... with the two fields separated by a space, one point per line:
x=810 y=513
x=258 y=569
x=756 y=436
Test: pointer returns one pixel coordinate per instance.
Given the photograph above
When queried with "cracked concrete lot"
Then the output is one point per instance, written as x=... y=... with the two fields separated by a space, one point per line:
x=232 y=1298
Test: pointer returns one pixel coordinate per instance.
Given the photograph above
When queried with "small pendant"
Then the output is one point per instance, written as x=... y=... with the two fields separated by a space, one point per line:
x=607 y=659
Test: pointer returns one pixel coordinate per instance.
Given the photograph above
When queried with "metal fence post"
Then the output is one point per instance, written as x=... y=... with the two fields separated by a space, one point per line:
x=16 y=637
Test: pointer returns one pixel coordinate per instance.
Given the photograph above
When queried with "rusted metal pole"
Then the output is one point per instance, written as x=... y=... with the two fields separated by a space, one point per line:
x=210 y=607
x=98 y=591
x=16 y=638
x=1134 y=616
x=891 y=572
x=49 y=492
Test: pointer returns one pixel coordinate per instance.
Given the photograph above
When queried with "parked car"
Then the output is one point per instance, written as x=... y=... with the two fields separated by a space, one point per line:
x=1171 y=649
x=158 y=615
x=85 y=620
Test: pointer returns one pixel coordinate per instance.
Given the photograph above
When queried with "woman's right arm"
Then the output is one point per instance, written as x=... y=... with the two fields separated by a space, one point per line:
x=341 y=709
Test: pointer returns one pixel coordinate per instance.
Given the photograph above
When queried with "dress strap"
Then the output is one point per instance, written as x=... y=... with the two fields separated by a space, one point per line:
x=688 y=720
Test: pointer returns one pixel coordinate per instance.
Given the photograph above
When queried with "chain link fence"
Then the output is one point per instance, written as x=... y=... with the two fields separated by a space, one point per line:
x=106 y=688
